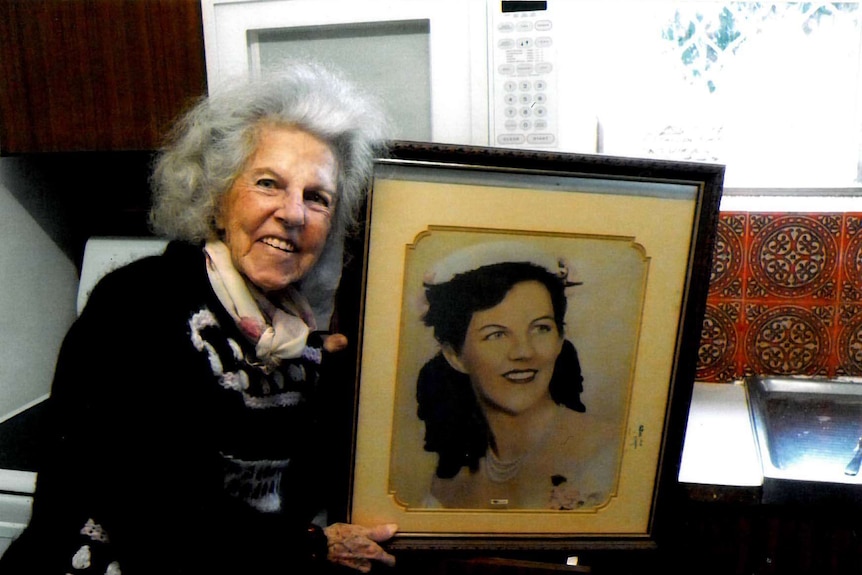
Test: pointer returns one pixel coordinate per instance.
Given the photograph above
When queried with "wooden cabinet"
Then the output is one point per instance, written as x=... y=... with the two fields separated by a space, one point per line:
x=81 y=75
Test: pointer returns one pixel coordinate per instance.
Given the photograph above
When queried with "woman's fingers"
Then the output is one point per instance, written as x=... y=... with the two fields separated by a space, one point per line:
x=357 y=546
x=381 y=533
x=334 y=342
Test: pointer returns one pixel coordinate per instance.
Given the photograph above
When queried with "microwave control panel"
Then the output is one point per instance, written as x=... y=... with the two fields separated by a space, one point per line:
x=523 y=87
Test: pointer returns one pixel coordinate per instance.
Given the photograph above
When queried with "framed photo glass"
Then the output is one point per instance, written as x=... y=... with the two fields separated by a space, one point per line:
x=529 y=330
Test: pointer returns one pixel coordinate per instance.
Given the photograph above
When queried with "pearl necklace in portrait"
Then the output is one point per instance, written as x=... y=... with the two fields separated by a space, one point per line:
x=500 y=471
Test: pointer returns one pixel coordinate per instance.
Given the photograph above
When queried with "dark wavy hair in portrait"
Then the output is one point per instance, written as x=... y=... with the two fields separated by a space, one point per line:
x=455 y=427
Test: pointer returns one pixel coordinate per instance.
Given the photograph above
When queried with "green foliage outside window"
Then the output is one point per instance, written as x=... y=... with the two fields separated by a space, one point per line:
x=705 y=35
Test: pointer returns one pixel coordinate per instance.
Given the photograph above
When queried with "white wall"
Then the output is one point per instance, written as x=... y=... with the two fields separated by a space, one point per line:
x=38 y=283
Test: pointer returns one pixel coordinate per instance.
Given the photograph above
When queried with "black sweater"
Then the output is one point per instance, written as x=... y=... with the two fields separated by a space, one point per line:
x=168 y=444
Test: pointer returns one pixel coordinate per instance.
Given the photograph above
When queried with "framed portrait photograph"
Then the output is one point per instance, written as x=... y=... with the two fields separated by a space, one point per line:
x=529 y=329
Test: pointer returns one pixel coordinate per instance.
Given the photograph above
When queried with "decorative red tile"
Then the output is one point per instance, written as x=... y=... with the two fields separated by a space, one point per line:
x=720 y=340
x=726 y=277
x=850 y=340
x=719 y=343
x=851 y=287
x=788 y=339
x=793 y=256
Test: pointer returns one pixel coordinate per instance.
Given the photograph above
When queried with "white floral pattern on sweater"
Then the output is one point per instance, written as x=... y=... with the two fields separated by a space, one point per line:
x=94 y=552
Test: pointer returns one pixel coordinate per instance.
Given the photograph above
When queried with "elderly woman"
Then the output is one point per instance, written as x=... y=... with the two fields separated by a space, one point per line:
x=501 y=400
x=186 y=397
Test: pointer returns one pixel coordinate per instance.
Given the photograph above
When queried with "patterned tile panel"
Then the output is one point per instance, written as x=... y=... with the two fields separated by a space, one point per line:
x=785 y=297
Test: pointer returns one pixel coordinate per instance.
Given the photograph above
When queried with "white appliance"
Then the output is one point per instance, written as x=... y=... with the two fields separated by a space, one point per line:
x=481 y=72
x=101 y=255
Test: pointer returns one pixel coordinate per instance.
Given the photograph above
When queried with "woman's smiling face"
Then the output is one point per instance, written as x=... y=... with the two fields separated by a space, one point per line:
x=510 y=350
x=277 y=214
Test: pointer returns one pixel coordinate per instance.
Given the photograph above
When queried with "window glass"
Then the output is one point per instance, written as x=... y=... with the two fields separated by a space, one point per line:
x=771 y=89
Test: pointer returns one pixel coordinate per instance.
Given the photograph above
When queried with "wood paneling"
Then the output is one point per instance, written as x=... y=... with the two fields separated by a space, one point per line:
x=80 y=75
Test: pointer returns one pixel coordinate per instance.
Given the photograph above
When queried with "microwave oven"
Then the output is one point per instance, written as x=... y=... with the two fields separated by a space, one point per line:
x=475 y=72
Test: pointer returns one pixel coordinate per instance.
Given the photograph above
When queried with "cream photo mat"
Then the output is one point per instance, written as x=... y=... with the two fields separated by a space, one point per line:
x=406 y=211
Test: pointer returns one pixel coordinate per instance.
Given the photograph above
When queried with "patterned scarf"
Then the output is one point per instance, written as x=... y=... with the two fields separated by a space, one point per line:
x=279 y=330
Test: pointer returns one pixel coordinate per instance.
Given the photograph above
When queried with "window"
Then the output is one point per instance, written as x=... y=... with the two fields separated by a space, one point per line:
x=771 y=89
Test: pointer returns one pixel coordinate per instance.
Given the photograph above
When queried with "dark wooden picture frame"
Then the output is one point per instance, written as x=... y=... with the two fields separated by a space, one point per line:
x=660 y=215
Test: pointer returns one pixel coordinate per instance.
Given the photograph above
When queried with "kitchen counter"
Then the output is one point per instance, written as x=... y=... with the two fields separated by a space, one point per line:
x=720 y=447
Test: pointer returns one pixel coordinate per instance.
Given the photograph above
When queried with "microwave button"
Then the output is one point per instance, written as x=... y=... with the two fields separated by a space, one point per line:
x=525 y=85
x=540 y=111
x=524 y=69
x=525 y=99
x=510 y=125
x=540 y=124
x=540 y=85
x=525 y=112
x=544 y=42
x=526 y=125
x=506 y=44
x=543 y=25
x=525 y=42
x=510 y=99
x=544 y=67
x=506 y=69
x=510 y=85
x=525 y=26
x=541 y=98
x=510 y=139
x=510 y=112
x=505 y=27
x=541 y=139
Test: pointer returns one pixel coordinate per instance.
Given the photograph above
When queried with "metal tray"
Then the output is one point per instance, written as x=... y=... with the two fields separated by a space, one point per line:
x=808 y=429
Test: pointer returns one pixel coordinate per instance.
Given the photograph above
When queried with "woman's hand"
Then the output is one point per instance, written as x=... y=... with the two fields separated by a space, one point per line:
x=356 y=546
x=334 y=342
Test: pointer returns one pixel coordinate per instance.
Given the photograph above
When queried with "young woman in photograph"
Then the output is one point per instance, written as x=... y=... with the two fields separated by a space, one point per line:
x=501 y=400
